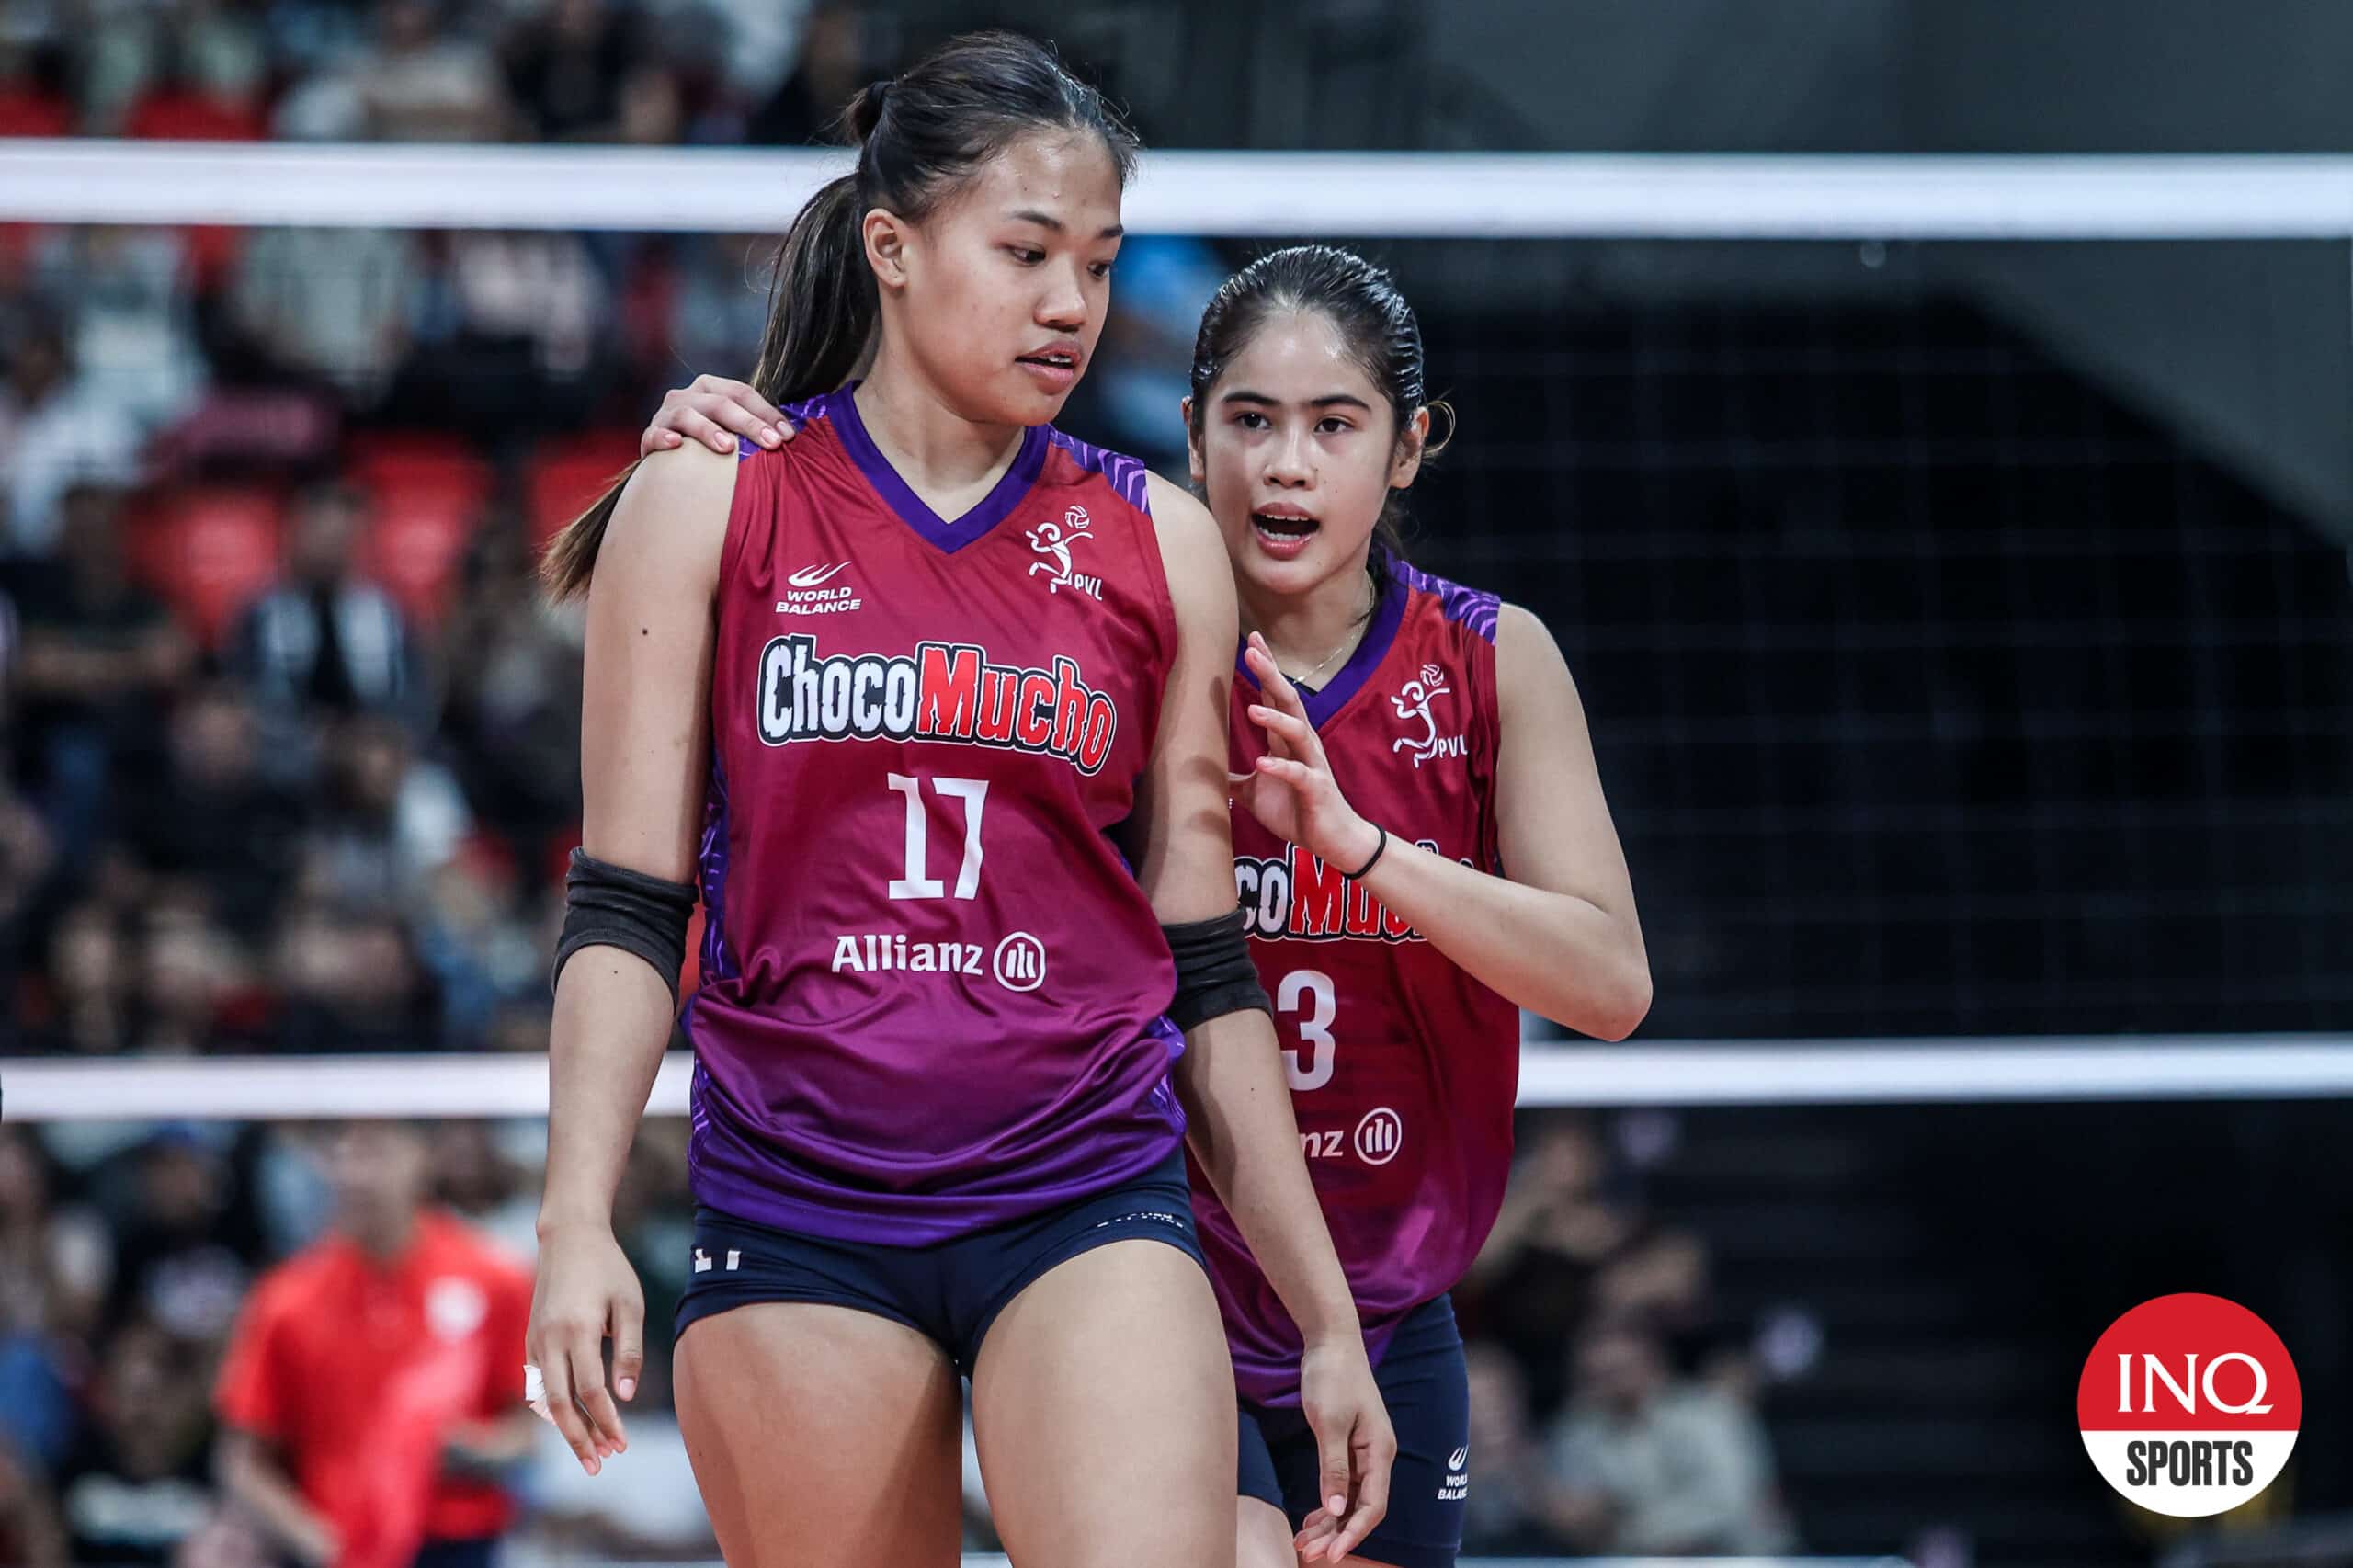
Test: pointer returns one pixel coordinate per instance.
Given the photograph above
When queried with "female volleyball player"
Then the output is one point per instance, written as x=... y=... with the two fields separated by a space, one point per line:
x=1382 y=918
x=933 y=705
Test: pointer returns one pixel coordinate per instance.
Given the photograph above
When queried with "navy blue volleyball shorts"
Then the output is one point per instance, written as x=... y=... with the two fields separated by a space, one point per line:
x=1426 y=1386
x=950 y=1291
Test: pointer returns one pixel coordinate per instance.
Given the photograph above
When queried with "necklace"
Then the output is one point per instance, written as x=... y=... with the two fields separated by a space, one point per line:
x=1307 y=677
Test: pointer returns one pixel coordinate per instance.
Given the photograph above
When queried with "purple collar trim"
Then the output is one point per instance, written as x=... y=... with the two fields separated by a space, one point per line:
x=1334 y=694
x=994 y=508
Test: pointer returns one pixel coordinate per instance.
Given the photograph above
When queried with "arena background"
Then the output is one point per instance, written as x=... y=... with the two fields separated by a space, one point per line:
x=1927 y=428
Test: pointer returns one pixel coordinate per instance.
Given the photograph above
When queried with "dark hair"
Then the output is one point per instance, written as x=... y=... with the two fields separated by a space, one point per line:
x=1362 y=302
x=920 y=138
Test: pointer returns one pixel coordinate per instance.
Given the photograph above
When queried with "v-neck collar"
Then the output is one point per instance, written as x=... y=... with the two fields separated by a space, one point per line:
x=1010 y=491
x=1334 y=695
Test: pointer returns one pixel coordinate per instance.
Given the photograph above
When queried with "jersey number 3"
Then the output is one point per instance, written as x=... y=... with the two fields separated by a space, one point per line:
x=1308 y=992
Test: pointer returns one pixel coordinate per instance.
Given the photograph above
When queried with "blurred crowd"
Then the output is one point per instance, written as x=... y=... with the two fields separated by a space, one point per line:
x=289 y=742
x=643 y=72
x=1613 y=1402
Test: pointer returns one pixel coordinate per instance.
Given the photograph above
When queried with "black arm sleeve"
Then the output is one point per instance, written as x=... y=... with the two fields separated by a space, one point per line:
x=606 y=905
x=1215 y=974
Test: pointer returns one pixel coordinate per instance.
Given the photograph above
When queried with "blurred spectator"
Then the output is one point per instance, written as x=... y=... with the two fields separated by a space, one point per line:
x=212 y=80
x=52 y=1277
x=118 y=53
x=513 y=715
x=30 y=1534
x=757 y=41
x=137 y=1485
x=1534 y=1280
x=717 y=305
x=1644 y=1464
x=388 y=821
x=1660 y=1279
x=373 y=1390
x=476 y=1174
x=54 y=433
x=123 y=294
x=512 y=335
x=101 y=657
x=1505 y=1509
x=480 y=952
x=327 y=640
x=184 y=1242
x=829 y=62
x=422 y=81
x=329 y=305
x=190 y=975
x=88 y=993
x=565 y=73
x=1145 y=358
x=210 y=821
x=351 y=983
x=652 y=108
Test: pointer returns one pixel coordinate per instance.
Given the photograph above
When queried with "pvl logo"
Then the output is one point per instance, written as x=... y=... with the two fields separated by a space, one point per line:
x=2189 y=1404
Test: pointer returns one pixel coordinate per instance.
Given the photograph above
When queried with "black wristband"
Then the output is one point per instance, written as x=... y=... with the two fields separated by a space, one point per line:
x=1378 y=850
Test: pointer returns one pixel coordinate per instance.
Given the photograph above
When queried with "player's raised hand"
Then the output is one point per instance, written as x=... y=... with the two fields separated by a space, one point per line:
x=586 y=1290
x=715 y=410
x=1355 y=1446
x=1290 y=790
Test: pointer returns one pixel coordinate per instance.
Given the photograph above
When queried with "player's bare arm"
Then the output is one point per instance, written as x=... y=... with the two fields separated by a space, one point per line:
x=643 y=741
x=1238 y=1108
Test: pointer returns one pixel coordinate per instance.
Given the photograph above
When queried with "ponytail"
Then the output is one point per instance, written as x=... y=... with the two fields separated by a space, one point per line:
x=821 y=312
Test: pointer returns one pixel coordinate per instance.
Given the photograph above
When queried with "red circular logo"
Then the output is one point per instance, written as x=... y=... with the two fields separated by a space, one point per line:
x=2189 y=1404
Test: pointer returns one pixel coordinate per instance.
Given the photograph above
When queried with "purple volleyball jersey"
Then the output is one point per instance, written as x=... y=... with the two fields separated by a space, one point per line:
x=1403 y=1068
x=932 y=993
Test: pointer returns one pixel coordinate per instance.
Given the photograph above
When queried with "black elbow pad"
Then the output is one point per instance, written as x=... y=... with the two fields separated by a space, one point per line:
x=606 y=905
x=1215 y=974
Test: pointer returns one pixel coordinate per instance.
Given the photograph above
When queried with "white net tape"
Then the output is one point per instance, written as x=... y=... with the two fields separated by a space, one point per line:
x=1241 y=194
x=1766 y=1073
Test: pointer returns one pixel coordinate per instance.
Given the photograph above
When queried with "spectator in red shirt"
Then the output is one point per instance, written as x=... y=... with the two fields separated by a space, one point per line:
x=372 y=1395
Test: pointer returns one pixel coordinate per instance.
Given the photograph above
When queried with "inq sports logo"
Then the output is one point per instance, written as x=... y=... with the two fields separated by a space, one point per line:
x=2188 y=1404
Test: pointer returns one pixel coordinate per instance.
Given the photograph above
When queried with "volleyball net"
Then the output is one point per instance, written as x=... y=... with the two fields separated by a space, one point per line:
x=1949 y=552
x=1950 y=549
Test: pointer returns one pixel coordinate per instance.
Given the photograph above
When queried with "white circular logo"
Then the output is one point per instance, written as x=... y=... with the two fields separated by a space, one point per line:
x=1021 y=962
x=2189 y=1404
x=1379 y=1136
x=454 y=1307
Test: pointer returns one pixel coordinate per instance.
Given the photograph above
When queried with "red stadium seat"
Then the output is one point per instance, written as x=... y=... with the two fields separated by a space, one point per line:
x=428 y=492
x=566 y=475
x=418 y=460
x=415 y=541
x=209 y=552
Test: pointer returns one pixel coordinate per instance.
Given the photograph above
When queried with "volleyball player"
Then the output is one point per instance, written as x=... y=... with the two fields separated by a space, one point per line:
x=1397 y=947
x=931 y=707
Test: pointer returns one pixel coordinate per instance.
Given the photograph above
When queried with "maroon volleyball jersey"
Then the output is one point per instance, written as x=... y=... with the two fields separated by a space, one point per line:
x=932 y=993
x=1404 y=1069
